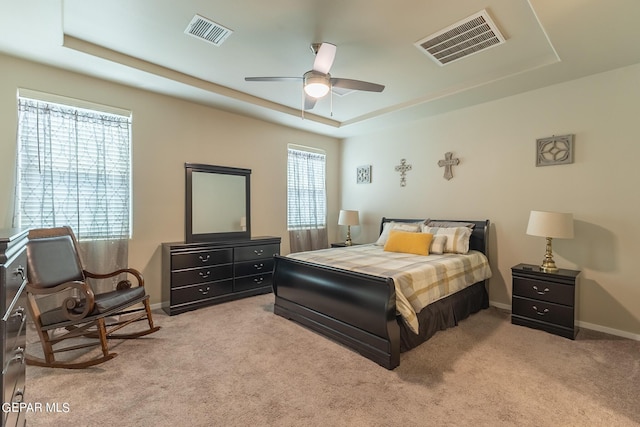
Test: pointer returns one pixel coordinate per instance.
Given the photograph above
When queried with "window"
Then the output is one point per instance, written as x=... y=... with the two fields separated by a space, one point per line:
x=306 y=196
x=74 y=168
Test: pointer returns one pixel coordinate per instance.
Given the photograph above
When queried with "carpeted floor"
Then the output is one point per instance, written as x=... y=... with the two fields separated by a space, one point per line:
x=239 y=364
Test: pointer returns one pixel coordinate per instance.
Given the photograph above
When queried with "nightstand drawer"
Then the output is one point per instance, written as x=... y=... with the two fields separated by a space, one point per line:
x=543 y=311
x=544 y=291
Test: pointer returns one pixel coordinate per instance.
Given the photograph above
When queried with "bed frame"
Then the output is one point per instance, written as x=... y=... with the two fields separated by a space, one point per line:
x=359 y=310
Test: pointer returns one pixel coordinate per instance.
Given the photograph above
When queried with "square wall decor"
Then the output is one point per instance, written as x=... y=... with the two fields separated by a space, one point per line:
x=554 y=150
x=364 y=174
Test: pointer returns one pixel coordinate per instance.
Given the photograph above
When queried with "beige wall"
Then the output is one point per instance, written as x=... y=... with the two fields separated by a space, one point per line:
x=497 y=179
x=168 y=132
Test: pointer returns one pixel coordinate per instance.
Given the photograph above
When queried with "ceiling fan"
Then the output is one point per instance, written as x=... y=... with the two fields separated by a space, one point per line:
x=317 y=82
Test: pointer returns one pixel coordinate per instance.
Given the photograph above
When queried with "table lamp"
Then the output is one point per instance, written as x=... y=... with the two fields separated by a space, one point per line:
x=550 y=225
x=348 y=218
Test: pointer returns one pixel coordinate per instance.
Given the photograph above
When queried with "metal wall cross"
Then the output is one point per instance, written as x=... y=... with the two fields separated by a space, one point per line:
x=448 y=163
x=403 y=167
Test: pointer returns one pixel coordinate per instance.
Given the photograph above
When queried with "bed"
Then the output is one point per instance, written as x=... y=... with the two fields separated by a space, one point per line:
x=359 y=310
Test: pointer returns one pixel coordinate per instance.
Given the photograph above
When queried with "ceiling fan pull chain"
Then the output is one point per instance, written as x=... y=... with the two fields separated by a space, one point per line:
x=331 y=98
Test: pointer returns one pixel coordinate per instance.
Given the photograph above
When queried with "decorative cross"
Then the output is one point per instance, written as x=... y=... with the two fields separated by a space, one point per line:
x=448 y=163
x=403 y=167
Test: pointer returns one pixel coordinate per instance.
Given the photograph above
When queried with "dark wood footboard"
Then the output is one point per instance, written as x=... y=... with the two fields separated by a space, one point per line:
x=357 y=310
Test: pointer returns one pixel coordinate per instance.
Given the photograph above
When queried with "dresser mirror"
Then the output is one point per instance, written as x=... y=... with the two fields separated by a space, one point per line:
x=218 y=203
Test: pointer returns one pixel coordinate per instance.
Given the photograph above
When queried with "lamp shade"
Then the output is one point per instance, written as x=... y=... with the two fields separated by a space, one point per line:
x=550 y=224
x=348 y=218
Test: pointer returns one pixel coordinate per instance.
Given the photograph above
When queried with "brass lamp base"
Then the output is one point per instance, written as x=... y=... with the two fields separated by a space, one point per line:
x=348 y=241
x=548 y=264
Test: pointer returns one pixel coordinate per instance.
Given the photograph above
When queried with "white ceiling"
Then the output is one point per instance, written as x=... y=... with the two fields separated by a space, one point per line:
x=142 y=43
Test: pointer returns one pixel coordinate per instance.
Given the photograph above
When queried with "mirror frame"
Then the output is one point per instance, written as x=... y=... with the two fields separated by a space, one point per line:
x=190 y=237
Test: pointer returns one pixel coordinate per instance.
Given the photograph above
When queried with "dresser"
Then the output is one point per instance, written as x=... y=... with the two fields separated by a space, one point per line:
x=196 y=275
x=544 y=300
x=13 y=275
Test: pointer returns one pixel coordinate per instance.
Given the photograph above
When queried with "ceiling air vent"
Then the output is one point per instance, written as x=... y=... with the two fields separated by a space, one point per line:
x=471 y=35
x=207 y=30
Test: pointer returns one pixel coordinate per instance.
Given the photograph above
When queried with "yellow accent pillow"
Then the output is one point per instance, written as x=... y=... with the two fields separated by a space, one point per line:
x=409 y=243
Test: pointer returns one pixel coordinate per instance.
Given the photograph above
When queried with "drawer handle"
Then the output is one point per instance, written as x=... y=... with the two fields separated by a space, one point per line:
x=205 y=291
x=19 y=312
x=204 y=259
x=535 y=288
x=204 y=275
x=18 y=356
x=20 y=272
x=258 y=280
x=258 y=266
x=258 y=251
x=540 y=313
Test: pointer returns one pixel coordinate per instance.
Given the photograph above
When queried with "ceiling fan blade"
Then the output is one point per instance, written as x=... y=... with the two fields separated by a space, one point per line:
x=356 y=85
x=324 y=58
x=273 y=79
x=309 y=102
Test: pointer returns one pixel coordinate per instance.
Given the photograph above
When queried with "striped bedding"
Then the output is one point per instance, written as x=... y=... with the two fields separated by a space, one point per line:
x=419 y=280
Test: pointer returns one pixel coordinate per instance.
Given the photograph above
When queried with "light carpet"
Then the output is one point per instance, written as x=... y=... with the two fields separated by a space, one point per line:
x=239 y=364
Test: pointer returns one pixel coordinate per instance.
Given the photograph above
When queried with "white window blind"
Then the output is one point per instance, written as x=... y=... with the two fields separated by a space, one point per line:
x=74 y=168
x=306 y=195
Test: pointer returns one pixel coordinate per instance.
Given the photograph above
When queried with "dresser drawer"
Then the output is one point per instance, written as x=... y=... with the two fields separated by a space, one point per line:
x=14 y=275
x=245 y=253
x=201 y=258
x=252 y=282
x=248 y=268
x=201 y=292
x=201 y=275
x=15 y=330
x=543 y=311
x=544 y=291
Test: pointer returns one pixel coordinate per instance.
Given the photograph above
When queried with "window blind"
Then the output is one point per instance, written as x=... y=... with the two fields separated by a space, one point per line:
x=73 y=169
x=306 y=190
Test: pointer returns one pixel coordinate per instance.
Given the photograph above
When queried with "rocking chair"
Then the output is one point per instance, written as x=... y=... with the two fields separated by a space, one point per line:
x=54 y=266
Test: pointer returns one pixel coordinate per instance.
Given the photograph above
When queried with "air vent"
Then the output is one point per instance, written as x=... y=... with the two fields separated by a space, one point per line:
x=471 y=35
x=207 y=30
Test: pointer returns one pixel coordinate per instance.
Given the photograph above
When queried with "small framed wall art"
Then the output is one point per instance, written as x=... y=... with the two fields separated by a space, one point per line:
x=363 y=174
x=554 y=150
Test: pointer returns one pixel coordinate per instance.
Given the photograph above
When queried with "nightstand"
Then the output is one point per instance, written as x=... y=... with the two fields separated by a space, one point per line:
x=543 y=300
x=342 y=245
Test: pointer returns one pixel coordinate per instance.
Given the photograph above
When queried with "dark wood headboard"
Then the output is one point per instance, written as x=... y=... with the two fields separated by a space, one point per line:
x=479 y=240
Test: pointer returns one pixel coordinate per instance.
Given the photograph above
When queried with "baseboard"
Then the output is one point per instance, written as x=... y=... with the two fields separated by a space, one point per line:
x=581 y=324
x=158 y=306
x=500 y=305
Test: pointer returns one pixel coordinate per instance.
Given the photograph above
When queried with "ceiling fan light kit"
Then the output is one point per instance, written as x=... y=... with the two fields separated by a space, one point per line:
x=316 y=84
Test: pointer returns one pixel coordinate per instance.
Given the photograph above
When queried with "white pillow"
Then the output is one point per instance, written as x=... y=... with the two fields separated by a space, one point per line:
x=438 y=244
x=412 y=227
x=457 y=238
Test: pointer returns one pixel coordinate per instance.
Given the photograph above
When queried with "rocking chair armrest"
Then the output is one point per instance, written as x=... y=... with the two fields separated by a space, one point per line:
x=131 y=271
x=86 y=300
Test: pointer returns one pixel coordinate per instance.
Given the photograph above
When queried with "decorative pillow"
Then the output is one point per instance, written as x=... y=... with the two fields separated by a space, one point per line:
x=457 y=238
x=437 y=244
x=413 y=227
x=448 y=224
x=408 y=242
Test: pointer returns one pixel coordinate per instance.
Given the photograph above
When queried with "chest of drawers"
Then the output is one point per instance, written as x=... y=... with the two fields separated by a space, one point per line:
x=13 y=274
x=544 y=300
x=195 y=275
